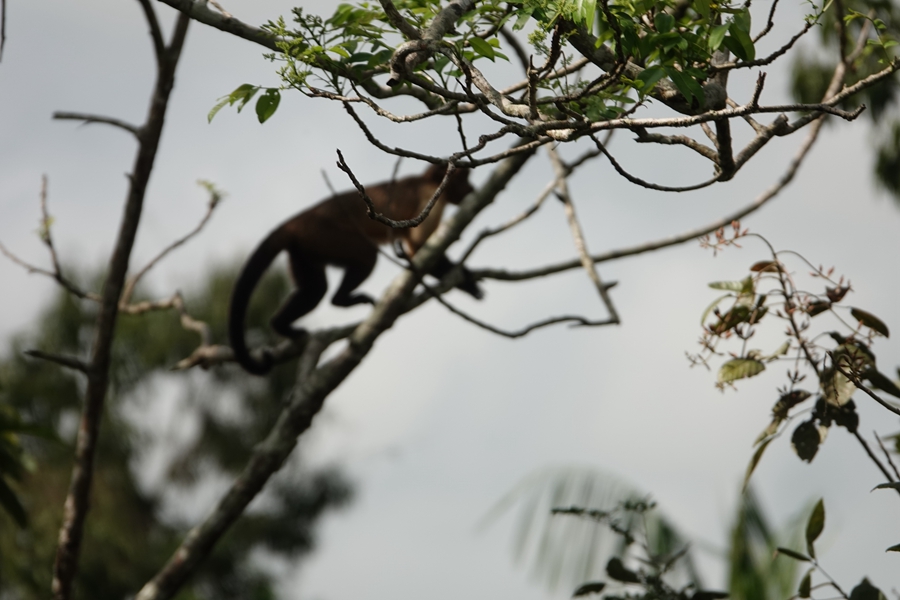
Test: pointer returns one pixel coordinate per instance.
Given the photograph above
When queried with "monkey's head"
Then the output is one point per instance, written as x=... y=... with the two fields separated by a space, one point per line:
x=458 y=187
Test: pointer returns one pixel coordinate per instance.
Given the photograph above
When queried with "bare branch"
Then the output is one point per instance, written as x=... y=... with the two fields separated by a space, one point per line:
x=70 y=362
x=518 y=50
x=377 y=216
x=657 y=138
x=416 y=51
x=887 y=456
x=214 y=199
x=77 y=502
x=647 y=184
x=767 y=195
x=88 y=119
x=855 y=380
x=47 y=238
x=159 y=45
x=521 y=217
x=562 y=192
x=313 y=386
x=881 y=467
x=761 y=62
x=770 y=22
x=2 y=27
x=400 y=24
x=221 y=9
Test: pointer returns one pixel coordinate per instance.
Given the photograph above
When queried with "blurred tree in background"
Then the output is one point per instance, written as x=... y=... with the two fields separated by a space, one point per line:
x=137 y=523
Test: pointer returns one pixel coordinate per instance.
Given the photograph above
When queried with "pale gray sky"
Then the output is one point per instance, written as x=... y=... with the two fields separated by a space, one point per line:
x=443 y=418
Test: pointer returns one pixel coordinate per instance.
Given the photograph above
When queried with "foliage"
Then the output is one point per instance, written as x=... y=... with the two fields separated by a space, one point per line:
x=839 y=361
x=125 y=507
x=812 y=74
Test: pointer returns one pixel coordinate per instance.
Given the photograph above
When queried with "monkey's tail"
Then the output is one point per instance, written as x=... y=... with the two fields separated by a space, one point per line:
x=246 y=282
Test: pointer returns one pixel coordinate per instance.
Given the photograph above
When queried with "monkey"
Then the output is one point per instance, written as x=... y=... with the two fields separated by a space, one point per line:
x=338 y=232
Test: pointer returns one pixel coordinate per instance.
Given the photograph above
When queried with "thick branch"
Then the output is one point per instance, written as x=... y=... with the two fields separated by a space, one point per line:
x=312 y=387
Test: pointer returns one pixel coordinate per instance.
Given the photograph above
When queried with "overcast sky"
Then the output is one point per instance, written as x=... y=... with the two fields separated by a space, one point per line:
x=442 y=419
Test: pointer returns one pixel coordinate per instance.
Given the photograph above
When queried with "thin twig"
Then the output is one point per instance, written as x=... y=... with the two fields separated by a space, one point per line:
x=562 y=193
x=132 y=282
x=2 y=27
x=887 y=456
x=377 y=216
x=763 y=198
x=46 y=237
x=88 y=119
x=881 y=467
x=855 y=380
x=70 y=362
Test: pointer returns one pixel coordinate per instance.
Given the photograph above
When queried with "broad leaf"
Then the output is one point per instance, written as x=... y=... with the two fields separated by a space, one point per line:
x=482 y=47
x=593 y=587
x=870 y=321
x=740 y=368
x=805 y=587
x=806 y=440
x=267 y=104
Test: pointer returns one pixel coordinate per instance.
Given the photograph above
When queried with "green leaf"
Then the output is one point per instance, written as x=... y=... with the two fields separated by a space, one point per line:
x=814 y=526
x=340 y=51
x=267 y=104
x=880 y=381
x=702 y=8
x=716 y=36
x=740 y=43
x=742 y=20
x=866 y=591
x=740 y=368
x=689 y=87
x=744 y=286
x=649 y=77
x=894 y=485
x=870 y=321
x=482 y=47
x=593 y=587
x=218 y=106
x=793 y=554
x=894 y=548
x=585 y=12
x=664 y=22
x=781 y=351
x=805 y=585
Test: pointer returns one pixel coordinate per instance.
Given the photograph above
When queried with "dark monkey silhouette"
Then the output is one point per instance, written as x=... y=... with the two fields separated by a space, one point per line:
x=338 y=232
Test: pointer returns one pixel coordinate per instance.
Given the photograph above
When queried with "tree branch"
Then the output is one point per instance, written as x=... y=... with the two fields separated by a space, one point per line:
x=562 y=192
x=77 y=500
x=88 y=119
x=311 y=389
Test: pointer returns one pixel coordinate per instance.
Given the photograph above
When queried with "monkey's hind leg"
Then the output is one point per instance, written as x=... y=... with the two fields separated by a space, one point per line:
x=354 y=274
x=311 y=287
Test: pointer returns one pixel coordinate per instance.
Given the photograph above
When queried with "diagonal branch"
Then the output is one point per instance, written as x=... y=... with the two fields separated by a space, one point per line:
x=562 y=193
x=128 y=292
x=771 y=192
